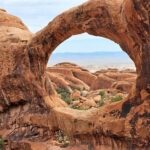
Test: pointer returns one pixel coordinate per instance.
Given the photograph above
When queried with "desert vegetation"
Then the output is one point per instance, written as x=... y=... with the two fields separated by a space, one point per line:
x=64 y=95
x=77 y=100
x=1 y=144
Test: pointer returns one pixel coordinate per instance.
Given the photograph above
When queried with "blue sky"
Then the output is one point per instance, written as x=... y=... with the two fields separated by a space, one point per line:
x=36 y=14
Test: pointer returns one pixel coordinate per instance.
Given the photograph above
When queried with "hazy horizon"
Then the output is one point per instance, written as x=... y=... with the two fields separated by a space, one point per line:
x=94 y=61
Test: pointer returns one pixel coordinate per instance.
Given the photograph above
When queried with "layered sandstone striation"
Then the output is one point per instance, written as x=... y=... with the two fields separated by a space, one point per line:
x=32 y=113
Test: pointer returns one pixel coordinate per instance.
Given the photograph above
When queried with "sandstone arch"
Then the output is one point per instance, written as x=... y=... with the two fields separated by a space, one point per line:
x=25 y=86
x=115 y=21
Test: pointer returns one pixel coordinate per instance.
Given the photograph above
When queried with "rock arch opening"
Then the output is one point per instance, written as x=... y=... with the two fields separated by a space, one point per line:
x=109 y=77
x=96 y=19
x=100 y=18
x=91 y=52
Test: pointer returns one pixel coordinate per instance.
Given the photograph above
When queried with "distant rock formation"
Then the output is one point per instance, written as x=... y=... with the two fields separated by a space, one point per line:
x=30 y=109
x=70 y=76
x=85 y=89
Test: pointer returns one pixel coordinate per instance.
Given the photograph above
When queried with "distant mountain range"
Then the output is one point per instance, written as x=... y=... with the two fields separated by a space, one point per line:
x=94 y=60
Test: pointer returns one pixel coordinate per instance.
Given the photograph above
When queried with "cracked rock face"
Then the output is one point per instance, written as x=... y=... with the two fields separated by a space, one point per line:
x=31 y=111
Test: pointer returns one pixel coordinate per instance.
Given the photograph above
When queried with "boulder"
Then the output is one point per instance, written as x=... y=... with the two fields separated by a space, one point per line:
x=88 y=103
x=84 y=93
x=76 y=103
x=75 y=94
x=97 y=98
x=123 y=86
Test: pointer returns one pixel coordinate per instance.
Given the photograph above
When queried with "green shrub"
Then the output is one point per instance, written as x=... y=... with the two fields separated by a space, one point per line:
x=117 y=98
x=1 y=144
x=74 y=99
x=65 y=95
x=79 y=108
x=102 y=94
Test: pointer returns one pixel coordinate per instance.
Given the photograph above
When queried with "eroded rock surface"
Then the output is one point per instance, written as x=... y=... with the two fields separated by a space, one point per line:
x=30 y=110
x=82 y=89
